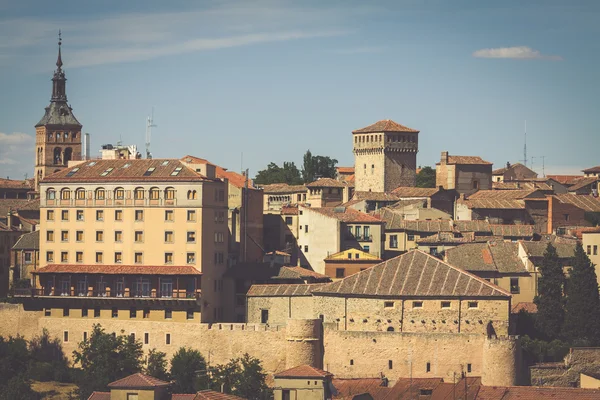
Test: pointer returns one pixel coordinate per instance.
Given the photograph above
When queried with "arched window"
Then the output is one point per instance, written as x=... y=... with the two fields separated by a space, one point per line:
x=390 y=329
x=169 y=193
x=66 y=136
x=189 y=195
x=40 y=156
x=65 y=194
x=50 y=194
x=139 y=193
x=119 y=193
x=192 y=195
x=57 y=156
x=49 y=136
x=68 y=155
x=154 y=193
x=80 y=194
x=100 y=194
x=195 y=194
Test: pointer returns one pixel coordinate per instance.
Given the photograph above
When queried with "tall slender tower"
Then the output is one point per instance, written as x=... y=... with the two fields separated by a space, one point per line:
x=58 y=134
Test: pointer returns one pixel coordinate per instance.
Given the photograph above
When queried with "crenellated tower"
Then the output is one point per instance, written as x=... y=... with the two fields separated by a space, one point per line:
x=385 y=156
x=58 y=134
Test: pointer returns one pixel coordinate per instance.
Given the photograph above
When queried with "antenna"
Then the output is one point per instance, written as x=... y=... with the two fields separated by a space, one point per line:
x=525 y=146
x=543 y=166
x=149 y=126
x=532 y=160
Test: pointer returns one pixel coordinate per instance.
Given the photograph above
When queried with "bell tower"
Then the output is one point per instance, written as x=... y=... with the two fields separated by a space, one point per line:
x=58 y=134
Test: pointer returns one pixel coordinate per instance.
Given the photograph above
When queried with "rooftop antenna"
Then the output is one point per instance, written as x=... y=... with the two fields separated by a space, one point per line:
x=525 y=146
x=543 y=166
x=149 y=126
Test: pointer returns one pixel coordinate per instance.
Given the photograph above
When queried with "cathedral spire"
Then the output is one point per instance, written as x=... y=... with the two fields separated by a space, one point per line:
x=59 y=81
x=59 y=60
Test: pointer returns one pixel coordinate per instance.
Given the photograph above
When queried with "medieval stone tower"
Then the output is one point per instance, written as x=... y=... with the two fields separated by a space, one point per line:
x=58 y=134
x=385 y=156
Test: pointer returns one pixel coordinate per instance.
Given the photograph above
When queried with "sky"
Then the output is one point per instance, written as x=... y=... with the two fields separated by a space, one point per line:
x=244 y=83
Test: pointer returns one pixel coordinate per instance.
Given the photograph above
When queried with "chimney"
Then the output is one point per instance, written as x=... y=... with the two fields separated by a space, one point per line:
x=9 y=219
x=507 y=164
x=444 y=159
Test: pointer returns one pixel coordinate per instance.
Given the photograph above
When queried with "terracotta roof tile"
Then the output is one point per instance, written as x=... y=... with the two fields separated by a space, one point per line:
x=345 y=170
x=394 y=221
x=565 y=179
x=462 y=160
x=403 y=192
x=537 y=249
x=385 y=125
x=506 y=194
x=212 y=395
x=28 y=241
x=591 y=170
x=118 y=269
x=183 y=396
x=585 y=202
x=512 y=230
x=7 y=205
x=413 y=274
x=283 y=188
x=344 y=214
x=375 y=196
x=16 y=184
x=325 y=182
x=299 y=289
x=525 y=306
x=303 y=371
x=500 y=204
x=138 y=380
x=473 y=226
x=300 y=273
x=291 y=209
x=498 y=256
x=126 y=171
x=99 y=396
x=583 y=182
x=443 y=237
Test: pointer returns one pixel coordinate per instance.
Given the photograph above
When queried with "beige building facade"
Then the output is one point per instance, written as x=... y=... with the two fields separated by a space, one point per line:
x=465 y=174
x=591 y=246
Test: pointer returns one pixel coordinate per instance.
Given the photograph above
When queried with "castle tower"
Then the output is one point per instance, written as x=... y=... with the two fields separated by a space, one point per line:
x=501 y=361
x=385 y=156
x=304 y=341
x=58 y=134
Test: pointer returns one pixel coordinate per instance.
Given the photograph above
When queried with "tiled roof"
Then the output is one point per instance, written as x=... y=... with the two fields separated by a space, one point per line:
x=512 y=230
x=59 y=113
x=303 y=371
x=345 y=170
x=505 y=194
x=585 y=202
x=461 y=160
x=548 y=393
x=166 y=170
x=16 y=184
x=403 y=191
x=289 y=210
x=499 y=257
x=212 y=395
x=139 y=381
x=300 y=273
x=591 y=170
x=28 y=241
x=520 y=185
x=344 y=214
x=385 y=125
x=375 y=196
x=325 y=182
x=493 y=204
x=118 y=269
x=413 y=274
x=183 y=396
x=299 y=289
x=565 y=179
x=394 y=221
x=364 y=256
x=473 y=226
x=525 y=306
x=283 y=188
x=99 y=396
x=537 y=249
x=443 y=237
x=7 y=205
x=583 y=182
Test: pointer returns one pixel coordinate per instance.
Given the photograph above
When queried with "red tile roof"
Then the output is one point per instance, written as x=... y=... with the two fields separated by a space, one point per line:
x=565 y=179
x=139 y=381
x=506 y=194
x=325 y=182
x=375 y=196
x=118 y=269
x=300 y=272
x=16 y=184
x=303 y=371
x=525 y=306
x=591 y=170
x=299 y=289
x=283 y=188
x=583 y=182
x=291 y=209
x=344 y=214
x=462 y=160
x=414 y=192
x=183 y=396
x=212 y=395
x=99 y=396
x=385 y=125
x=237 y=180
x=585 y=202
x=345 y=170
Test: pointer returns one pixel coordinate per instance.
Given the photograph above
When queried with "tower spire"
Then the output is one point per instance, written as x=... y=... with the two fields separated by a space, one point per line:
x=59 y=62
x=59 y=92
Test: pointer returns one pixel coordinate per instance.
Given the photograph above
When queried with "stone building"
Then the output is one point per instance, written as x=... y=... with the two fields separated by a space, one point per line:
x=385 y=156
x=349 y=262
x=568 y=373
x=465 y=174
x=58 y=134
x=8 y=237
x=128 y=230
x=435 y=198
x=592 y=172
x=25 y=258
x=16 y=189
x=513 y=172
x=278 y=195
x=325 y=192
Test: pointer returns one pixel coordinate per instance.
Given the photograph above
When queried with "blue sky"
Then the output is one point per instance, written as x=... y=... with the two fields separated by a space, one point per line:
x=271 y=79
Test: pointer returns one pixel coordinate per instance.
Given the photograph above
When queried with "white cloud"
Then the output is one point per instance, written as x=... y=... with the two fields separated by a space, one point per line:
x=16 y=154
x=518 y=52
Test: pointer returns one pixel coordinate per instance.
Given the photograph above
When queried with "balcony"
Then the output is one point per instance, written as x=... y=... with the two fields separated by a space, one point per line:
x=360 y=238
x=152 y=294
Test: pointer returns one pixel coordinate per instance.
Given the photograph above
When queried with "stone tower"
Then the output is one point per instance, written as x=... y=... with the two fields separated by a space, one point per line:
x=58 y=134
x=385 y=156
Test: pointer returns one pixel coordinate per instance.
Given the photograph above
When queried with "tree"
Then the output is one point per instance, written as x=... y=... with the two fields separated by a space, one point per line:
x=105 y=358
x=315 y=167
x=275 y=174
x=48 y=361
x=188 y=369
x=550 y=301
x=14 y=361
x=243 y=377
x=426 y=178
x=156 y=365
x=582 y=309
x=18 y=387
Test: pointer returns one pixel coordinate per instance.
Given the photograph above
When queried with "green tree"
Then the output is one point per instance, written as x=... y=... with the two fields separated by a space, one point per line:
x=315 y=167
x=243 y=377
x=275 y=174
x=188 y=369
x=48 y=361
x=18 y=387
x=105 y=358
x=156 y=365
x=426 y=178
x=549 y=300
x=582 y=309
x=14 y=361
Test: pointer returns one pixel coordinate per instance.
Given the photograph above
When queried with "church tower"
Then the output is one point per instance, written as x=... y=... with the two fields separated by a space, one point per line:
x=58 y=134
x=385 y=156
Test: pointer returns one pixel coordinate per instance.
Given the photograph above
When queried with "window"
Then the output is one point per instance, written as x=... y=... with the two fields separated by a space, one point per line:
x=349 y=256
x=190 y=314
x=138 y=258
x=84 y=313
x=390 y=364
x=50 y=215
x=426 y=392
x=589 y=250
x=80 y=194
x=367 y=232
x=50 y=194
x=47 y=312
x=417 y=304
x=132 y=337
x=428 y=367
x=340 y=272
x=168 y=236
x=118 y=257
x=64 y=236
x=191 y=237
x=168 y=313
x=79 y=215
x=288 y=220
x=191 y=258
x=114 y=313
x=50 y=236
x=64 y=256
x=168 y=258
x=445 y=304
x=475 y=184
x=79 y=256
x=99 y=257
x=118 y=236
x=169 y=194
x=306 y=248
x=138 y=194
x=99 y=236
x=305 y=228
x=99 y=215
x=119 y=194
x=191 y=216
x=154 y=193
x=169 y=215
x=65 y=194
x=393 y=241
x=139 y=236
x=388 y=304
x=146 y=338
x=99 y=194
x=118 y=215
x=28 y=257
x=514 y=285
x=410 y=237
x=219 y=237
x=264 y=316
x=472 y=304
x=139 y=215
x=132 y=312
x=351 y=362
x=50 y=256
x=595 y=250
x=64 y=215
x=96 y=313
x=146 y=313
x=357 y=232
x=566 y=217
x=65 y=336
x=66 y=312
x=79 y=236
x=168 y=338
x=469 y=369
